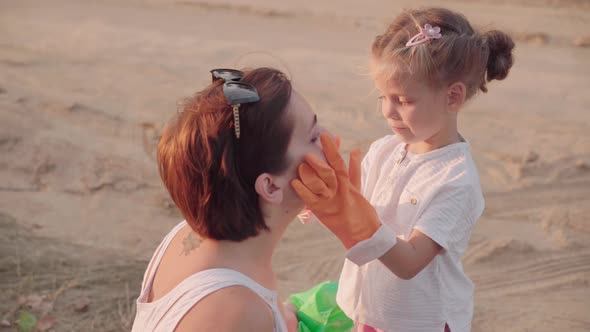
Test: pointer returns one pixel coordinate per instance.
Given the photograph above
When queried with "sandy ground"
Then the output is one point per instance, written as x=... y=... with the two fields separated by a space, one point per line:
x=85 y=87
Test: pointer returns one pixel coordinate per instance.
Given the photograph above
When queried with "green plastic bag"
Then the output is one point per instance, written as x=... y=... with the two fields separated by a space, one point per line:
x=317 y=310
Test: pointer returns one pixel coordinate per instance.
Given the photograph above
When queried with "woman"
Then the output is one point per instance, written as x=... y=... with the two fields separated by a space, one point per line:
x=227 y=161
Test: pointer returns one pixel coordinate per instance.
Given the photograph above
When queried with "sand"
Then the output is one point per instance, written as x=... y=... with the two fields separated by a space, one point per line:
x=86 y=86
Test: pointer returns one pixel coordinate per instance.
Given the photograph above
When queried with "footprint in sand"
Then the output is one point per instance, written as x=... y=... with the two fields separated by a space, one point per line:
x=8 y=143
x=532 y=38
x=582 y=41
x=546 y=272
x=498 y=250
x=565 y=168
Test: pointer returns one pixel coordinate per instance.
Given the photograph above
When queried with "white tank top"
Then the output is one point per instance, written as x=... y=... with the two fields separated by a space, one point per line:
x=164 y=314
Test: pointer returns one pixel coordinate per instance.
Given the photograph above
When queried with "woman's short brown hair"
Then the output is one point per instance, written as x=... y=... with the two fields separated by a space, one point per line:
x=209 y=173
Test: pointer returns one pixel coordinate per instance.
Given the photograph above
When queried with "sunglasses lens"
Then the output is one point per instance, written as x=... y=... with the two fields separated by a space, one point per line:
x=240 y=93
x=226 y=74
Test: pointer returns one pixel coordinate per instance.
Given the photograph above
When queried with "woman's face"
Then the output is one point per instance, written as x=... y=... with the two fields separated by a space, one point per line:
x=305 y=139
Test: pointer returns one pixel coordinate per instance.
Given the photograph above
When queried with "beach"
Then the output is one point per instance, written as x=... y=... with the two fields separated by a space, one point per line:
x=86 y=86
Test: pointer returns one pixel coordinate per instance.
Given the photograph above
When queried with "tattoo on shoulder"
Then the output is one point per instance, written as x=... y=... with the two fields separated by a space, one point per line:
x=190 y=243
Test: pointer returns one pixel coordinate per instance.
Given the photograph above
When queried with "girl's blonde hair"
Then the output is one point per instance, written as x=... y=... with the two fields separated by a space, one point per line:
x=461 y=54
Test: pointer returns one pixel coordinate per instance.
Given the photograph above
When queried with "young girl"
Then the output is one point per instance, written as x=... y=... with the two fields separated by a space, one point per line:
x=408 y=226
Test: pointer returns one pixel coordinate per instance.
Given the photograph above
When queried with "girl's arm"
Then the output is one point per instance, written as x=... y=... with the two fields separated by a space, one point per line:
x=333 y=193
x=407 y=258
x=448 y=219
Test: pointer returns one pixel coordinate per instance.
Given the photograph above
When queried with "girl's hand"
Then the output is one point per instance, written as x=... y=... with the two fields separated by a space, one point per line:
x=331 y=192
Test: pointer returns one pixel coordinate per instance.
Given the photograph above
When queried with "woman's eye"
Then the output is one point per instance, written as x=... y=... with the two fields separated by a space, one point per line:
x=315 y=138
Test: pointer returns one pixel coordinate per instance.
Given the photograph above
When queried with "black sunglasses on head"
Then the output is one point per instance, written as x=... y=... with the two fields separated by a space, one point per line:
x=235 y=92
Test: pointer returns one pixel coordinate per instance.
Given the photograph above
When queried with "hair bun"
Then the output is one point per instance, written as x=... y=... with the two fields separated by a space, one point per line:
x=500 y=59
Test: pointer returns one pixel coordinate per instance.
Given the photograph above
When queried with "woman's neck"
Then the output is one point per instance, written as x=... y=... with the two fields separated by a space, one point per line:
x=252 y=256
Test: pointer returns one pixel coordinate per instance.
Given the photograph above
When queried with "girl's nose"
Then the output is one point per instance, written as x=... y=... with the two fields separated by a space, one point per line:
x=389 y=110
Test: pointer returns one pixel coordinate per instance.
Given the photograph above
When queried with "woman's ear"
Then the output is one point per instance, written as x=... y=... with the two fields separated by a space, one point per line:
x=269 y=189
x=456 y=94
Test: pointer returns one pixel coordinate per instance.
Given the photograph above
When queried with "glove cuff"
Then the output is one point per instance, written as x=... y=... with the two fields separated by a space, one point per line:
x=374 y=247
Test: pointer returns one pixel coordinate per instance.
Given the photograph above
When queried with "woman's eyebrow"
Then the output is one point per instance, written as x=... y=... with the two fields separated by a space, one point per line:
x=314 y=122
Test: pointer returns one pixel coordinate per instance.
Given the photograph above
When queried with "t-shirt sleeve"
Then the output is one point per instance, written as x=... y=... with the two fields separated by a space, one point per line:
x=449 y=218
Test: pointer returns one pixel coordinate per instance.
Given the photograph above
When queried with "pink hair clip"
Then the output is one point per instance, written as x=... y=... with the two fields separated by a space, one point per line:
x=429 y=32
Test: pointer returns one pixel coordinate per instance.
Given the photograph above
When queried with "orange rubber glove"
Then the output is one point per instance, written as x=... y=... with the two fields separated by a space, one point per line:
x=332 y=193
x=305 y=215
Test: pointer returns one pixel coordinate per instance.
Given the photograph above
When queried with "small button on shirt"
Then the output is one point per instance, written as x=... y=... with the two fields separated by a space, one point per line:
x=439 y=194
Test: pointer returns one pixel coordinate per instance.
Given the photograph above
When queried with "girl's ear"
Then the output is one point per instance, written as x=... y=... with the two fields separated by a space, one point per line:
x=269 y=189
x=456 y=94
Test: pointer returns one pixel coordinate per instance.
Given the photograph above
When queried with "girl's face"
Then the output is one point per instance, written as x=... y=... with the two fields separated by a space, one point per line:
x=415 y=112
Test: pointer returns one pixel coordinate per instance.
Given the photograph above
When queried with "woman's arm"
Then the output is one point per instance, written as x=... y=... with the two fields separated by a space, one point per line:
x=289 y=311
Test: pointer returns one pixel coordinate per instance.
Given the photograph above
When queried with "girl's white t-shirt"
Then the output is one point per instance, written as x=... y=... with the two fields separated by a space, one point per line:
x=439 y=194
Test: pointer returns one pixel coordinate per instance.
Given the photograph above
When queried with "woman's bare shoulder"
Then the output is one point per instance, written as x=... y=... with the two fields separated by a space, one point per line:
x=235 y=308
